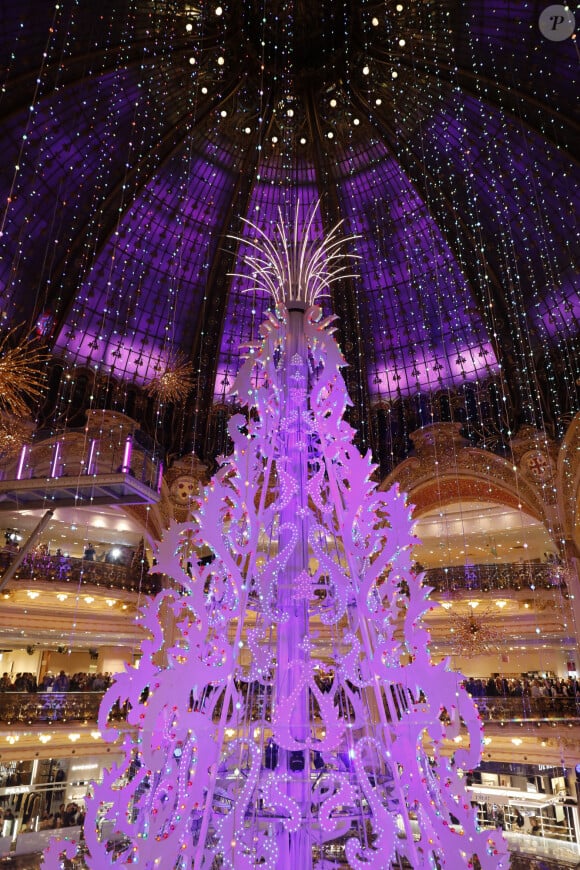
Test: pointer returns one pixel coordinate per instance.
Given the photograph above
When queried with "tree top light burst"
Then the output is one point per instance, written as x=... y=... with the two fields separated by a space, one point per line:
x=296 y=270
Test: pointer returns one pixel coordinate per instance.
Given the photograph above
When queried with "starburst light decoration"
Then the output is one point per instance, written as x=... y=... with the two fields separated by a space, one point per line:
x=175 y=383
x=295 y=269
x=286 y=712
x=474 y=635
x=20 y=374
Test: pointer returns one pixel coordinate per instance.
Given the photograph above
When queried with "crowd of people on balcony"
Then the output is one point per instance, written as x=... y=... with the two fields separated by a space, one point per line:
x=61 y=682
x=116 y=566
x=498 y=686
x=66 y=816
x=119 y=554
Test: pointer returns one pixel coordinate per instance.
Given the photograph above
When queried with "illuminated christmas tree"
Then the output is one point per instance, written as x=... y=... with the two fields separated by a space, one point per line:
x=286 y=712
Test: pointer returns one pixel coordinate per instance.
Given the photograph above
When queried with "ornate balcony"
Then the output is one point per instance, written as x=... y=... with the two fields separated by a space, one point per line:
x=30 y=708
x=62 y=569
x=84 y=468
x=516 y=709
x=503 y=577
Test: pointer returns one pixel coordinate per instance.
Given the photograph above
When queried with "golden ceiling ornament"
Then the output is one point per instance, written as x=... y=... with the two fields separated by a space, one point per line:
x=474 y=635
x=21 y=376
x=14 y=432
x=175 y=383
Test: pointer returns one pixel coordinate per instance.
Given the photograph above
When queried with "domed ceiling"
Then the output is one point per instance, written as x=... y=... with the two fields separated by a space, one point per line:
x=136 y=134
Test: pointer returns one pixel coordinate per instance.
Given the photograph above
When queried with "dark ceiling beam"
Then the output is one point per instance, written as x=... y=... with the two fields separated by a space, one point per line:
x=118 y=201
x=344 y=299
x=563 y=133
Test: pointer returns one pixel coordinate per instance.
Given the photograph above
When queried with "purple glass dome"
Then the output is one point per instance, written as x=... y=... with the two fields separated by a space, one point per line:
x=136 y=135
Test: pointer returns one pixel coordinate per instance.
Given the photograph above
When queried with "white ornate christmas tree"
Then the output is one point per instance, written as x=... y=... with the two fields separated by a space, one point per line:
x=286 y=712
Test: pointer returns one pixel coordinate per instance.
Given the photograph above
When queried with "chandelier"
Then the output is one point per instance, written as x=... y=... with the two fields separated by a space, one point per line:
x=286 y=712
x=474 y=635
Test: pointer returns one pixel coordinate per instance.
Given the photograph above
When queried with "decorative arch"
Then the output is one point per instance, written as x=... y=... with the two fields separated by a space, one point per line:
x=445 y=469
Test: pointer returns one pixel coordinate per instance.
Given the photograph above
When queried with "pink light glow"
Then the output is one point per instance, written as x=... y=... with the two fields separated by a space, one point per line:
x=446 y=369
x=292 y=709
x=22 y=462
x=127 y=455
x=92 y=463
x=55 y=460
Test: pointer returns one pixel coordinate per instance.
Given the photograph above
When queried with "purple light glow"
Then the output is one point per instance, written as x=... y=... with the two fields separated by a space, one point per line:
x=434 y=372
x=54 y=466
x=126 y=466
x=481 y=165
x=22 y=462
x=412 y=271
x=560 y=319
x=93 y=453
x=137 y=331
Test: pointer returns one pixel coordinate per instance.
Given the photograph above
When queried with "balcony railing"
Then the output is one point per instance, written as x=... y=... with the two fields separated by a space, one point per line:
x=124 y=474
x=505 y=709
x=29 y=708
x=129 y=457
x=486 y=578
x=37 y=707
x=63 y=569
